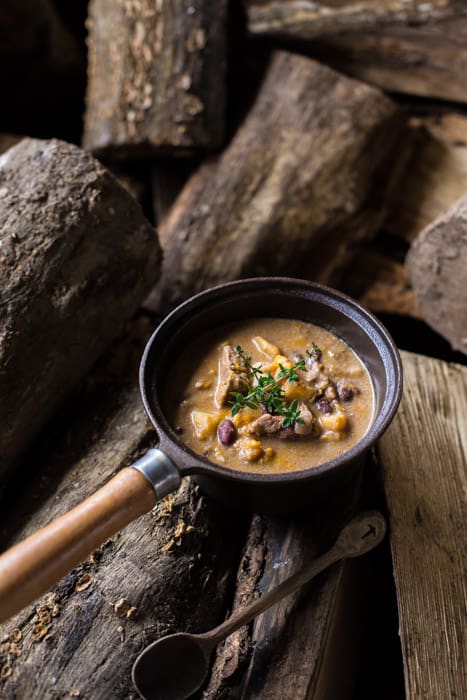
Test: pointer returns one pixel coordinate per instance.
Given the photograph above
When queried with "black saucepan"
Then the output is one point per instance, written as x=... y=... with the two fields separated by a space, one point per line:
x=31 y=567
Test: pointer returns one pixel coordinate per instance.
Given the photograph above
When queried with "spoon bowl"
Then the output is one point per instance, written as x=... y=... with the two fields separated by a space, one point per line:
x=175 y=667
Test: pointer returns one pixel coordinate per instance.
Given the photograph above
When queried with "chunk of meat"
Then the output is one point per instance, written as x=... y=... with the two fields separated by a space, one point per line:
x=308 y=419
x=266 y=424
x=232 y=376
x=316 y=378
x=346 y=390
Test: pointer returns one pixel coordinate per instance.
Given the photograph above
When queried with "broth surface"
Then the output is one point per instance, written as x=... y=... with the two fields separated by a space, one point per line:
x=331 y=396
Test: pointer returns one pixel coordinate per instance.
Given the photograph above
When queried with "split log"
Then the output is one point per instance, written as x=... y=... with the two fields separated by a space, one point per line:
x=303 y=179
x=436 y=265
x=435 y=177
x=42 y=69
x=429 y=60
x=156 y=77
x=294 y=650
x=166 y=572
x=433 y=181
x=77 y=258
x=424 y=473
x=309 y=20
x=412 y=47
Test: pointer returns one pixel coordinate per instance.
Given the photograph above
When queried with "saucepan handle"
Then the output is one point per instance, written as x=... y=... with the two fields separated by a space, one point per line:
x=31 y=567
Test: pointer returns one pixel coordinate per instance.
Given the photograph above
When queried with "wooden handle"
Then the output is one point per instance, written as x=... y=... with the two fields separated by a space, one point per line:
x=31 y=567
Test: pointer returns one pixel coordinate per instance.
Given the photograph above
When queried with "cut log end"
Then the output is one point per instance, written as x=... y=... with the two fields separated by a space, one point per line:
x=436 y=265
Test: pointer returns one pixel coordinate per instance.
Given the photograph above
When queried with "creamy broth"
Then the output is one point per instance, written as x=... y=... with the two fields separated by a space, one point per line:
x=309 y=396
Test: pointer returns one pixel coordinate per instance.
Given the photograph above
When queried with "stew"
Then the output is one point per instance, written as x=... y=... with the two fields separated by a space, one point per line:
x=269 y=395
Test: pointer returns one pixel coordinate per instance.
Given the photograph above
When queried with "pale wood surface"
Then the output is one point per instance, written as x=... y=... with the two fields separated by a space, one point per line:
x=437 y=266
x=424 y=467
x=434 y=179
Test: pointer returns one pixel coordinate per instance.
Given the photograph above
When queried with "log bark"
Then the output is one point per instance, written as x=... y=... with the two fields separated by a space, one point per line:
x=77 y=258
x=308 y=19
x=436 y=265
x=429 y=60
x=168 y=571
x=294 y=650
x=433 y=181
x=424 y=474
x=307 y=171
x=42 y=69
x=156 y=77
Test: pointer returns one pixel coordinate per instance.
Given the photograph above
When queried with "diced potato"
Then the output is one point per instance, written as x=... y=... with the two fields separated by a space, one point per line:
x=268 y=454
x=245 y=417
x=298 y=390
x=249 y=449
x=205 y=424
x=265 y=346
x=334 y=421
x=282 y=360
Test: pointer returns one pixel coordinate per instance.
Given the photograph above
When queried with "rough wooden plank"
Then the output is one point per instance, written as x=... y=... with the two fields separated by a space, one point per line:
x=310 y=166
x=156 y=77
x=73 y=241
x=173 y=564
x=424 y=467
x=309 y=19
x=436 y=265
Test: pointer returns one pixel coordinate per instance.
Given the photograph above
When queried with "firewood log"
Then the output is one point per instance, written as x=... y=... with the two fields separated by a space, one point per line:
x=304 y=177
x=76 y=259
x=410 y=47
x=436 y=264
x=42 y=69
x=428 y=60
x=166 y=572
x=314 y=19
x=156 y=77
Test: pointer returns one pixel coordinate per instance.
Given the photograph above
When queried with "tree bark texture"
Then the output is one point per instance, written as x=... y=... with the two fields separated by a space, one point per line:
x=156 y=77
x=303 y=179
x=428 y=60
x=436 y=265
x=309 y=19
x=42 y=68
x=434 y=180
x=77 y=258
x=167 y=571
x=293 y=651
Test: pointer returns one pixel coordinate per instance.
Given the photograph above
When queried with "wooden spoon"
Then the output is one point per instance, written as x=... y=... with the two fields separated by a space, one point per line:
x=174 y=667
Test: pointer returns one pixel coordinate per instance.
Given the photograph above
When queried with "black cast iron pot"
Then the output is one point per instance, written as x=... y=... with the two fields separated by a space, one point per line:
x=31 y=567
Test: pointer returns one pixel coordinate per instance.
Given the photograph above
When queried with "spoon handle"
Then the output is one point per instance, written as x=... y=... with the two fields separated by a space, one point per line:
x=363 y=533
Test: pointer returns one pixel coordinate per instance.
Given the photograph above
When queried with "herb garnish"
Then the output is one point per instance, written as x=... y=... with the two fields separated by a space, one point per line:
x=267 y=392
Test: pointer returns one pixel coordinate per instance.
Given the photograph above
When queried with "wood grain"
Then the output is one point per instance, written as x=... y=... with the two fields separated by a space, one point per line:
x=156 y=77
x=73 y=241
x=172 y=565
x=313 y=19
x=437 y=265
x=424 y=469
x=304 y=178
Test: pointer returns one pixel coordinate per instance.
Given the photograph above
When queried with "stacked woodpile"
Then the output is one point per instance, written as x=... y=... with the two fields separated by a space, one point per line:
x=324 y=140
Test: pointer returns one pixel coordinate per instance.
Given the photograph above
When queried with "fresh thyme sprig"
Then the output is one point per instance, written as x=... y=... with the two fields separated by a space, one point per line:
x=267 y=392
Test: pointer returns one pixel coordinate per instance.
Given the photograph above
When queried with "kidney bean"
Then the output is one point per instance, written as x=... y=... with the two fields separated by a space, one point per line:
x=226 y=432
x=324 y=406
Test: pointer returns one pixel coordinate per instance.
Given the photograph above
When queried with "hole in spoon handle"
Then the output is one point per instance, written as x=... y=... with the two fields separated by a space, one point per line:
x=363 y=533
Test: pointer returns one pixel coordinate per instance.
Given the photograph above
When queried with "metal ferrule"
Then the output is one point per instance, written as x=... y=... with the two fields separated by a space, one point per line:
x=160 y=471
